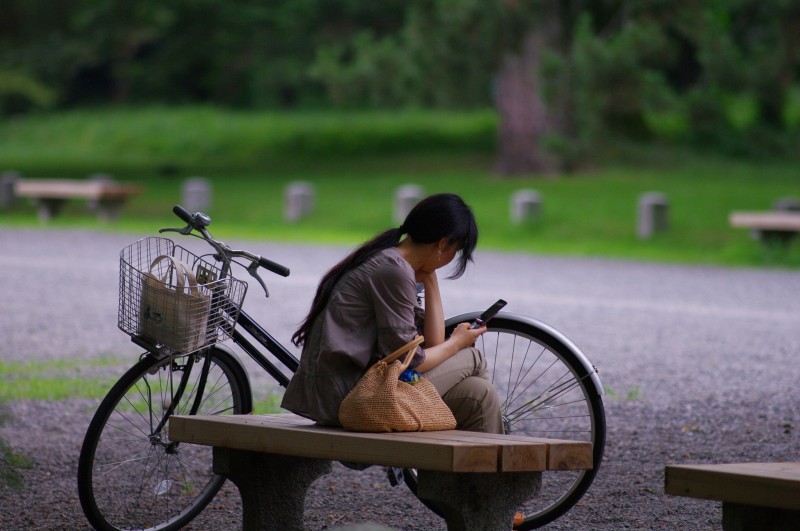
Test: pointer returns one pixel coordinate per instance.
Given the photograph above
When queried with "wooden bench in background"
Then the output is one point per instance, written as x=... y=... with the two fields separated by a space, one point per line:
x=106 y=198
x=476 y=480
x=753 y=495
x=771 y=227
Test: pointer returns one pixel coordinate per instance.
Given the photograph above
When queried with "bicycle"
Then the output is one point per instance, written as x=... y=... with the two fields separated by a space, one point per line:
x=131 y=476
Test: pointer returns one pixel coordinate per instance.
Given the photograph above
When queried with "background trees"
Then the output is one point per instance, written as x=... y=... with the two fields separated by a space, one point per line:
x=562 y=74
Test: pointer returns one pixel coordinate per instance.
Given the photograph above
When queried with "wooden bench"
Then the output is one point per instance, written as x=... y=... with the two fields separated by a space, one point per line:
x=476 y=480
x=753 y=495
x=771 y=227
x=50 y=195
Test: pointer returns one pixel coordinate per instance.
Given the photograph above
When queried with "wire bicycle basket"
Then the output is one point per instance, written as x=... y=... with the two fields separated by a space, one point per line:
x=174 y=301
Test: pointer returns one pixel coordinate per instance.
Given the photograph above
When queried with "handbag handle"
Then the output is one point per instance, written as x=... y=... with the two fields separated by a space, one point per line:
x=182 y=273
x=408 y=349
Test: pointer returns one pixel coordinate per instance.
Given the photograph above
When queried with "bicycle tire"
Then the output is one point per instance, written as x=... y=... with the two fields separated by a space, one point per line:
x=130 y=476
x=527 y=362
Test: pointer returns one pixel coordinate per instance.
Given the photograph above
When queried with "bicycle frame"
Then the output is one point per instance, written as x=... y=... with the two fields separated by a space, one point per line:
x=268 y=342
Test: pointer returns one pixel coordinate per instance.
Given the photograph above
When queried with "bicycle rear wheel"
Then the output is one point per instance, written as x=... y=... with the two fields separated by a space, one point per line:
x=546 y=391
x=130 y=475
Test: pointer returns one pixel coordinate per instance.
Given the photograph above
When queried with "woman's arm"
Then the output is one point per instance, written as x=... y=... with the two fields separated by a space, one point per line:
x=437 y=349
x=433 y=327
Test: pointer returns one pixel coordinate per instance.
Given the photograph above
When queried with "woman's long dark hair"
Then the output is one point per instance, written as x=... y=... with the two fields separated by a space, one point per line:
x=435 y=217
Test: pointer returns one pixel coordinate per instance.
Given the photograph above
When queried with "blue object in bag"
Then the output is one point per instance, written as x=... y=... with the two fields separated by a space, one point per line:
x=409 y=376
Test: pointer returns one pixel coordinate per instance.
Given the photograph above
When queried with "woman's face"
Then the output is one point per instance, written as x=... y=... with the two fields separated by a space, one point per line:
x=449 y=253
x=441 y=255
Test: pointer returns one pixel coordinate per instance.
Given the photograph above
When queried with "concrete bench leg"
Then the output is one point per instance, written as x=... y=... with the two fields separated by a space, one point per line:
x=736 y=517
x=779 y=238
x=471 y=501
x=273 y=487
x=48 y=208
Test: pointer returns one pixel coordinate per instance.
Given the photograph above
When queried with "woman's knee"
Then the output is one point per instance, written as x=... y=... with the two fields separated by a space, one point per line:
x=475 y=405
x=463 y=364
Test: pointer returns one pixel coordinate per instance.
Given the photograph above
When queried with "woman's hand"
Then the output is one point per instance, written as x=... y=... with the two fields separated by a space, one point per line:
x=462 y=337
x=465 y=336
x=425 y=277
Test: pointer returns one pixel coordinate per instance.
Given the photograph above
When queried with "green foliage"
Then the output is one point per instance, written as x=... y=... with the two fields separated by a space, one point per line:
x=715 y=74
x=663 y=67
x=442 y=54
x=20 y=93
x=791 y=114
x=201 y=138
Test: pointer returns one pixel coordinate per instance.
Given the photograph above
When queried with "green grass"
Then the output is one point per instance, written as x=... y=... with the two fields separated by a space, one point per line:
x=54 y=380
x=11 y=461
x=632 y=395
x=267 y=403
x=356 y=161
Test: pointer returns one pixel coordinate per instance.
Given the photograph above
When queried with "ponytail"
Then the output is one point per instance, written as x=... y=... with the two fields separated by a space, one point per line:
x=382 y=241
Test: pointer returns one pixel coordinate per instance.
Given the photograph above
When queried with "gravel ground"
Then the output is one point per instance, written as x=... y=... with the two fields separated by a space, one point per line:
x=699 y=363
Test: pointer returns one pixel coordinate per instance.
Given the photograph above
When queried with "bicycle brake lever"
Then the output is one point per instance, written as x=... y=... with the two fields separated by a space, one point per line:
x=184 y=231
x=253 y=270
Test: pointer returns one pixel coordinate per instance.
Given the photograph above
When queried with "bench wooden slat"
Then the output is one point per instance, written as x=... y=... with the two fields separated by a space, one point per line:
x=450 y=451
x=512 y=456
x=758 y=484
x=64 y=188
x=516 y=455
x=567 y=455
x=255 y=433
x=778 y=220
x=559 y=454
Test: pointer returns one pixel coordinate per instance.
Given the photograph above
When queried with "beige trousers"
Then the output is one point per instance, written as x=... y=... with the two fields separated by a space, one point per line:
x=463 y=383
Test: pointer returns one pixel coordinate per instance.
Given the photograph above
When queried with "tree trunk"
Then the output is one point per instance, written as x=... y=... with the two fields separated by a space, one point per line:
x=524 y=117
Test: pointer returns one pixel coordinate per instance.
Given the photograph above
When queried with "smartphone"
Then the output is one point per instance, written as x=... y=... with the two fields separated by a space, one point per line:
x=488 y=314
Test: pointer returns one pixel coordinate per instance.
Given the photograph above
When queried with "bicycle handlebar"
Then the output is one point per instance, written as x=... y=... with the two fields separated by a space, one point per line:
x=183 y=214
x=199 y=221
x=273 y=266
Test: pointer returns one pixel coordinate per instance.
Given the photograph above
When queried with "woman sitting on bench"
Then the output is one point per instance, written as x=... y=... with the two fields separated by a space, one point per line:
x=366 y=307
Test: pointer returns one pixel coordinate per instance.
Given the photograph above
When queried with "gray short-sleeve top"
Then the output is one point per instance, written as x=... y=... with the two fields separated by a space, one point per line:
x=372 y=312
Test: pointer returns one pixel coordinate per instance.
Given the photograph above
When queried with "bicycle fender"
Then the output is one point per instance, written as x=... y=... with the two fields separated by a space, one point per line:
x=551 y=333
x=248 y=391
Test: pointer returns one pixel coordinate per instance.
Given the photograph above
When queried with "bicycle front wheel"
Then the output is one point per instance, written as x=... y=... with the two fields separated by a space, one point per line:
x=130 y=475
x=546 y=391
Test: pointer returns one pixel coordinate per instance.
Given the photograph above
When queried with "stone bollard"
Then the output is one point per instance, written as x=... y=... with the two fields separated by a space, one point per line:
x=405 y=198
x=787 y=204
x=7 y=181
x=526 y=205
x=196 y=194
x=299 y=201
x=653 y=213
x=101 y=178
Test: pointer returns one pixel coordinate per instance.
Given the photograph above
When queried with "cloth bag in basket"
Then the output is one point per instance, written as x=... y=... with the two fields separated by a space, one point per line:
x=175 y=316
x=380 y=402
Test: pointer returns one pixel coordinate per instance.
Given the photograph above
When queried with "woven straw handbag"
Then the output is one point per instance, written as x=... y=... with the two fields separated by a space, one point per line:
x=380 y=402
